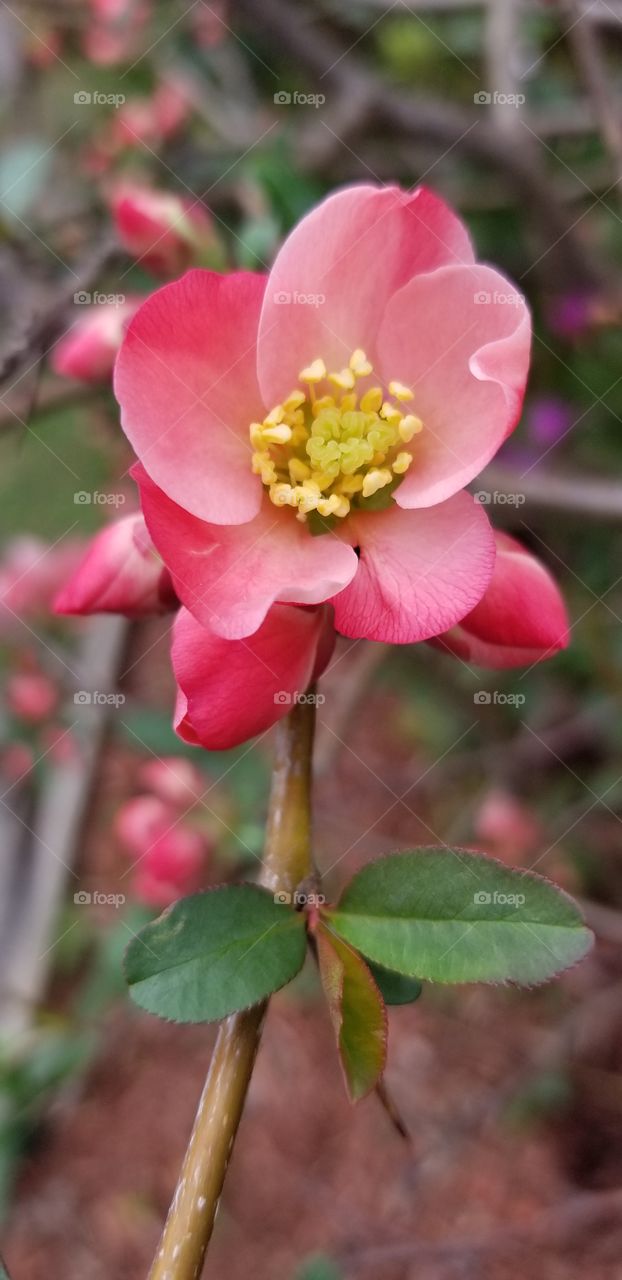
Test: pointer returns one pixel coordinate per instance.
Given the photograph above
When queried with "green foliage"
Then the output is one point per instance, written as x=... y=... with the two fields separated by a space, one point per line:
x=455 y=916
x=214 y=953
x=357 y=1012
x=395 y=988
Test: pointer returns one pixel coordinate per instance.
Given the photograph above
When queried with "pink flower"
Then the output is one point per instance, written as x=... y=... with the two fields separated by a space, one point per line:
x=171 y=854
x=141 y=821
x=31 y=696
x=113 y=30
x=230 y=690
x=307 y=437
x=87 y=353
x=177 y=781
x=163 y=231
x=521 y=618
x=31 y=573
x=120 y=573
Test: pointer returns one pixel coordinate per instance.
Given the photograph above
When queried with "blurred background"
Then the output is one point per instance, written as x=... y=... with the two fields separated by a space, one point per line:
x=244 y=115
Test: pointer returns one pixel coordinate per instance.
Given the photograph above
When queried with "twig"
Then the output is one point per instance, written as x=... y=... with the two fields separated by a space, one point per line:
x=287 y=861
x=578 y=495
x=589 y=55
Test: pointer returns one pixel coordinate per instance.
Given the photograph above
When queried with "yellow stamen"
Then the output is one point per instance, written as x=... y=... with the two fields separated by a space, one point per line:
x=409 y=426
x=400 y=392
x=314 y=372
x=402 y=463
x=375 y=480
x=329 y=453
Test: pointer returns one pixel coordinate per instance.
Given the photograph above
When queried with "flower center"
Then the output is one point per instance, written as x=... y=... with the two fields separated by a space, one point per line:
x=332 y=446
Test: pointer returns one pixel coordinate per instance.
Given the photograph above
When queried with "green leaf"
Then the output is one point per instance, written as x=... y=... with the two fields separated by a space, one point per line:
x=456 y=916
x=357 y=1012
x=395 y=988
x=214 y=953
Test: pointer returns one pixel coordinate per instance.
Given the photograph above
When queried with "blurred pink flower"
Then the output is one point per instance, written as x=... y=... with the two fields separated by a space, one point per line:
x=88 y=351
x=31 y=696
x=164 y=232
x=31 y=572
x=177 y=781
x=113 y=30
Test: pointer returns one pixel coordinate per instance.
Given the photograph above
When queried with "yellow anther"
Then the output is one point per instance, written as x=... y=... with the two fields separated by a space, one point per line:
x=281 y=495
x=294 y=401
x=314 y=372
x=256 y=435
x=298 y=470
x=400 y=392
x=275 y=416
x=402 y=463
x=359 y=364
x=330 y=452
x=280 y=434
x=390 y=413
x=374 y=480
x=343 y=379
x=372 y=400
x=409 y=426
x=324 y=402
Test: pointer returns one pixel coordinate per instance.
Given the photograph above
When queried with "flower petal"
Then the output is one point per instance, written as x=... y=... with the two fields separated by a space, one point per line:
x=120 y=573
x=521 y=618
x=460 y=337
x=417 y=569
x=230 y=690
x=228 y=576
x=336 y=271
x=186 y=381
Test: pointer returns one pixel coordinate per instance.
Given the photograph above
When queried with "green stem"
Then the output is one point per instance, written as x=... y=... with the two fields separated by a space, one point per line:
x=287 y=861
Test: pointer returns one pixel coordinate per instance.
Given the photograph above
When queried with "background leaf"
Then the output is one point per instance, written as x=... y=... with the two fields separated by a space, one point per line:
x=395 y=988
x=357 y=1012
x=214 y=953
x=455 y=916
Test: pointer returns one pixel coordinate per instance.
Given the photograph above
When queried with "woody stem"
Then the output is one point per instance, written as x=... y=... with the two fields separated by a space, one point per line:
x=287 y=861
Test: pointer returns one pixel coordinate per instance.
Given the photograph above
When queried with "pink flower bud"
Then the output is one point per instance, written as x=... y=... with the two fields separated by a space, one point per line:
x=141 y=821
x=163 y=231
x=521 y=618
x=121 y=573
x=112 y=33
x=172 y=779
x=31 y=696
x=87 y=353
x=31 y=573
